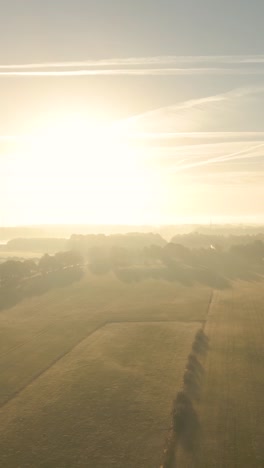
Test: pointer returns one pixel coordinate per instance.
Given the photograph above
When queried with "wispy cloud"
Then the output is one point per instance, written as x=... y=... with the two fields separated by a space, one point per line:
x=250 y=152
x=209 y=131
x=143 y=61
x=234 y=111
x=131 y=72
x=172 y=137
x=138 y=66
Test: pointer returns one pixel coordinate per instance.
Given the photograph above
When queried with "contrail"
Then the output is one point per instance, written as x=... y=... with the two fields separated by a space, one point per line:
x=131 y=72
x=194 y=103
x=134 y=61
x=228 y=157
x=197 y=135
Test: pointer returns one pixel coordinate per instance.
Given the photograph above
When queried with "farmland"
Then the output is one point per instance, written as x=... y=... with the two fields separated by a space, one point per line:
x=89 y=372
x=233 y=406
x=231 y=409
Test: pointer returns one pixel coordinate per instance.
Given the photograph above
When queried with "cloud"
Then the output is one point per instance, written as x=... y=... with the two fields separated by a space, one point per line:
x=222 y=156
x=211 y=131
x=130 y=72
x=239 y=110
x=141 y=66
x=143 y=61
x=170 y=139
x=249 y=152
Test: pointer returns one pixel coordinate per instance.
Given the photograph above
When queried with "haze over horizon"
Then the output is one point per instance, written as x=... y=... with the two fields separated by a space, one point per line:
x=125 y=113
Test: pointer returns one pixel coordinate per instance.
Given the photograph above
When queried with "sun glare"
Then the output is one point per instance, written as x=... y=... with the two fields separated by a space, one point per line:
x=80 y=170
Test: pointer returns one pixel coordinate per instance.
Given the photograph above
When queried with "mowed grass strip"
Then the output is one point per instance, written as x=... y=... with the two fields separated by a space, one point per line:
x=232 y=410
x=107 y=403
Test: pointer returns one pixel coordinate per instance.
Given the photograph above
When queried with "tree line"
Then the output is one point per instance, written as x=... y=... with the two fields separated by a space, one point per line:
x=26 y=278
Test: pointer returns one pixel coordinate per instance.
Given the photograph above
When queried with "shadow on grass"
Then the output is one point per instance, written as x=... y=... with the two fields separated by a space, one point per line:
x=185 y=422
x=201 y=343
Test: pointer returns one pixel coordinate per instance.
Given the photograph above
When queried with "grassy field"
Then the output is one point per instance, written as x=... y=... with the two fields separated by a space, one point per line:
x=106 y=403
x=232 y=407
x=88 y=373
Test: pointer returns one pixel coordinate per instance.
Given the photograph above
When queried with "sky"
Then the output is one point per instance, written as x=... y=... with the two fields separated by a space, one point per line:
x=143 y=112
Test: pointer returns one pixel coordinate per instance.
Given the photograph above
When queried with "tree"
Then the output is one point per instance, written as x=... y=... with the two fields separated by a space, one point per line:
x=11 y=270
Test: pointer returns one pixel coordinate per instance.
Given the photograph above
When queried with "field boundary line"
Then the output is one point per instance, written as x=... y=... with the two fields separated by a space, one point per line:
x=169 y=455
x=95 y=330
x=48 y=327
x=58 y=358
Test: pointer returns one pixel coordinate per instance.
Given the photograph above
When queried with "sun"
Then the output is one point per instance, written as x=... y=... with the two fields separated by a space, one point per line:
x=78 y=170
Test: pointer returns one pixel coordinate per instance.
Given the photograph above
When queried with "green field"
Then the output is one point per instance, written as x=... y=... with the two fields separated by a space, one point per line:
x=89 y=372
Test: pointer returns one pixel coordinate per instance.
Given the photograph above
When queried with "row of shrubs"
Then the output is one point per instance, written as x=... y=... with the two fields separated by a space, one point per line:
x=185 y=421
x=14 y=271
